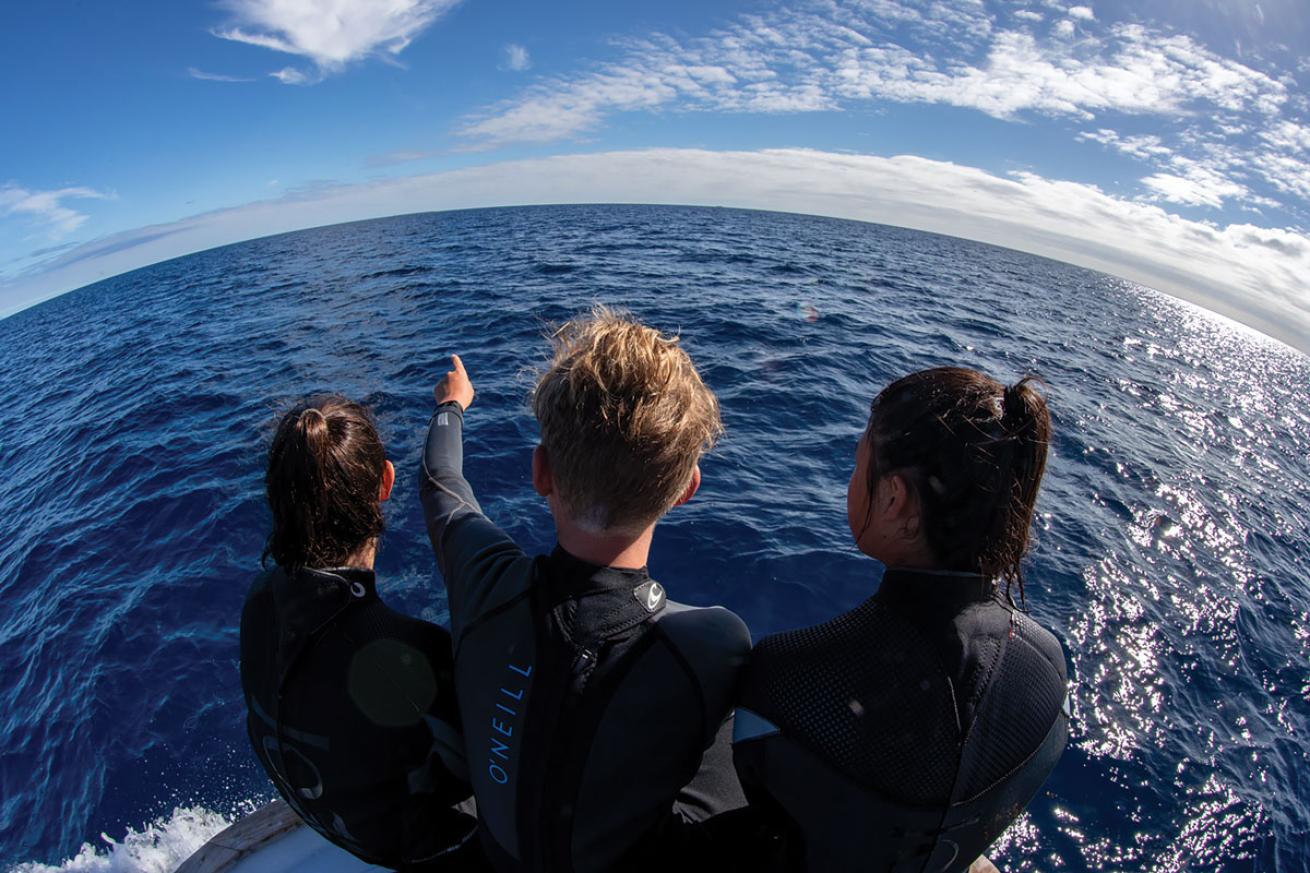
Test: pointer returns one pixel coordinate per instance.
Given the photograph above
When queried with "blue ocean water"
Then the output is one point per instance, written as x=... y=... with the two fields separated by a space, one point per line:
x=1171 y=551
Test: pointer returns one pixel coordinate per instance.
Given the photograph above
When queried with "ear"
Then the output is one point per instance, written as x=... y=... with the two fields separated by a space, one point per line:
x=388 y=480
x=542 y=479
x=692 y=487
x=900 y=504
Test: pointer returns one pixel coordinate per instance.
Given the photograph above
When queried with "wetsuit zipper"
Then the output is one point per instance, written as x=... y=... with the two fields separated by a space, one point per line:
x=583 y=666
x=557 y=835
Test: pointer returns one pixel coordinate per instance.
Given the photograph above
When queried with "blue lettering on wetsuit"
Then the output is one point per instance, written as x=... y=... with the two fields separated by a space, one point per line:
x=503 y=723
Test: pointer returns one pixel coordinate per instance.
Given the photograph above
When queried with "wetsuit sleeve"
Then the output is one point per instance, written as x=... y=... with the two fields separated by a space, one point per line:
x=482 y=566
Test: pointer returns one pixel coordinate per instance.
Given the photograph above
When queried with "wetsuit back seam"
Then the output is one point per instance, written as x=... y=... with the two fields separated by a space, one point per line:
x=1055 y=725
x=687 y=668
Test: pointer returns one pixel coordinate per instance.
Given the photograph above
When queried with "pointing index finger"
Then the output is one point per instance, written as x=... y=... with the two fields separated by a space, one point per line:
x=459 y=365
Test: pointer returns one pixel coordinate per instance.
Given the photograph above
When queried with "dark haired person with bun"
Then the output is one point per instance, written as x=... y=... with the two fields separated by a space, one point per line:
x=906 y=734
x=350 y=705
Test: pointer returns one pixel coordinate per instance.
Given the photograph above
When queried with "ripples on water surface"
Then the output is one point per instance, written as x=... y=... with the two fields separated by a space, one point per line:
x=1171 y=557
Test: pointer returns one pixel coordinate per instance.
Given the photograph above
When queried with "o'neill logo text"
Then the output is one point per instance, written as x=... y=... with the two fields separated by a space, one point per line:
x=503 y=722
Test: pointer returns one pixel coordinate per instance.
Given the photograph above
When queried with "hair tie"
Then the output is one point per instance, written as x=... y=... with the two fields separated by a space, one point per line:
x=312 y=422
x=1017 y=416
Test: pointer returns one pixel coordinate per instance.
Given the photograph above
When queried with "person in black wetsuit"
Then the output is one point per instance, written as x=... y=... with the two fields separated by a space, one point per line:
x=906 y=734
x=589 y=699
x=350 y=705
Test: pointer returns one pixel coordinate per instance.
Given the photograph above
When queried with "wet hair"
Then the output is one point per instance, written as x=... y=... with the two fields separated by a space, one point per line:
x=624 y=419
x=325 y=469
x=973 y=451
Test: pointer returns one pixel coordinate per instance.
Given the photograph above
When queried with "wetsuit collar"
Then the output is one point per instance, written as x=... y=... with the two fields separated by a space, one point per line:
x=608 y=600
x=944 y=588
x=310 y=598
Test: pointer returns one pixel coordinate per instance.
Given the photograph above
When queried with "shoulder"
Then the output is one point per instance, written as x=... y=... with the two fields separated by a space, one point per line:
x=1046 y=644
x=713 y=645
x=382 y=620
x=259 y=597
x=263 y=583
x=705 y=631
x=850 y=631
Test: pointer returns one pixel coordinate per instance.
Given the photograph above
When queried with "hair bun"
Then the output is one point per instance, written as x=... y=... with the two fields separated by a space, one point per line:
x=1013 y=405
x=325 y=465
x=312 y=422
x=1020 y=402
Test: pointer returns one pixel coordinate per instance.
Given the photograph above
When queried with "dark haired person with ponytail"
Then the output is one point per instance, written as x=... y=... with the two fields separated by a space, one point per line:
x=351 y=709
x=906 y=734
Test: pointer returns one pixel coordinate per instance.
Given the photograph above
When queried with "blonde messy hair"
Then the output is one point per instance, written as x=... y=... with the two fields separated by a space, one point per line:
x=624 y=419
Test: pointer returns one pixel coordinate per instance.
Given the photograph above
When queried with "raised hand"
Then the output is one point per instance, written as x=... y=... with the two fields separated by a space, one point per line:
x=455 y=385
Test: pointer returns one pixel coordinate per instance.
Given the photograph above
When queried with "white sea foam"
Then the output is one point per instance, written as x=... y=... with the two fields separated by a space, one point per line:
x=159 y=847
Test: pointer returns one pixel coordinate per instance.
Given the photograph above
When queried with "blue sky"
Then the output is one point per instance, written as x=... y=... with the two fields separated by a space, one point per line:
x=1167 y=141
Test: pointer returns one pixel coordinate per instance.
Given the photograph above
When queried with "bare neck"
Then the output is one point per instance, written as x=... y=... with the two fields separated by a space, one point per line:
x=364 y=557
x=626 y=551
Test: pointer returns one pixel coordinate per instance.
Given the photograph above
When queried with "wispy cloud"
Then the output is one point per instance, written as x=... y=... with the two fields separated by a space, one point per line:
x=1204 y=189
x=46 y=209
x=1288 y=136
x=515 y=57
x=329 y=33
x=832 y=55
x=215 y=77
x=402 y=156
x=1012 y=64
x=297 y=76
x=1255 y=275
x=1142 y=146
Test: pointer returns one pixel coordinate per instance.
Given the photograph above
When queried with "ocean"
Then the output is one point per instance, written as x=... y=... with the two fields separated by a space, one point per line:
x=1171 y=550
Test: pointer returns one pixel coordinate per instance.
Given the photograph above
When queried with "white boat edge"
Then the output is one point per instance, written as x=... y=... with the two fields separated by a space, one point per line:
x=273 y=839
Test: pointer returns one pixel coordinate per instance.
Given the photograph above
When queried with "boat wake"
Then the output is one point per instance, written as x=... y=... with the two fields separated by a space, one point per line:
x=159 y=847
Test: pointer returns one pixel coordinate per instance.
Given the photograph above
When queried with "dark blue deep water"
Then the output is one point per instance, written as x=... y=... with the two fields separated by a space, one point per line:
x=1171 y=553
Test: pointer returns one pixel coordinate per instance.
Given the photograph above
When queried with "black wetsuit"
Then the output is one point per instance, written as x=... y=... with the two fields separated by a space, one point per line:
x=588 y=698
x=351 y=712
x=904 y=735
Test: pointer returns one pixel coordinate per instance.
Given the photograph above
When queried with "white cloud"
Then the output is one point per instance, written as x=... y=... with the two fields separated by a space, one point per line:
x=1288 y=136
x=516 y=57
x=1135 y=72
x=835 y=55
x=1143 y=146
x=728 y=72
x=46 y=208
x=330 y=33
x=1206 y=181
x=294 y=76
x=1289 y=174
x=214 y=77
x=1255 y=275
x=832 y=54
x=1202 y=189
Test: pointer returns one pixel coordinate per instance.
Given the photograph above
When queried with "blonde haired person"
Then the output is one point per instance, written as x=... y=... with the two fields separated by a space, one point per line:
x=589 y=700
